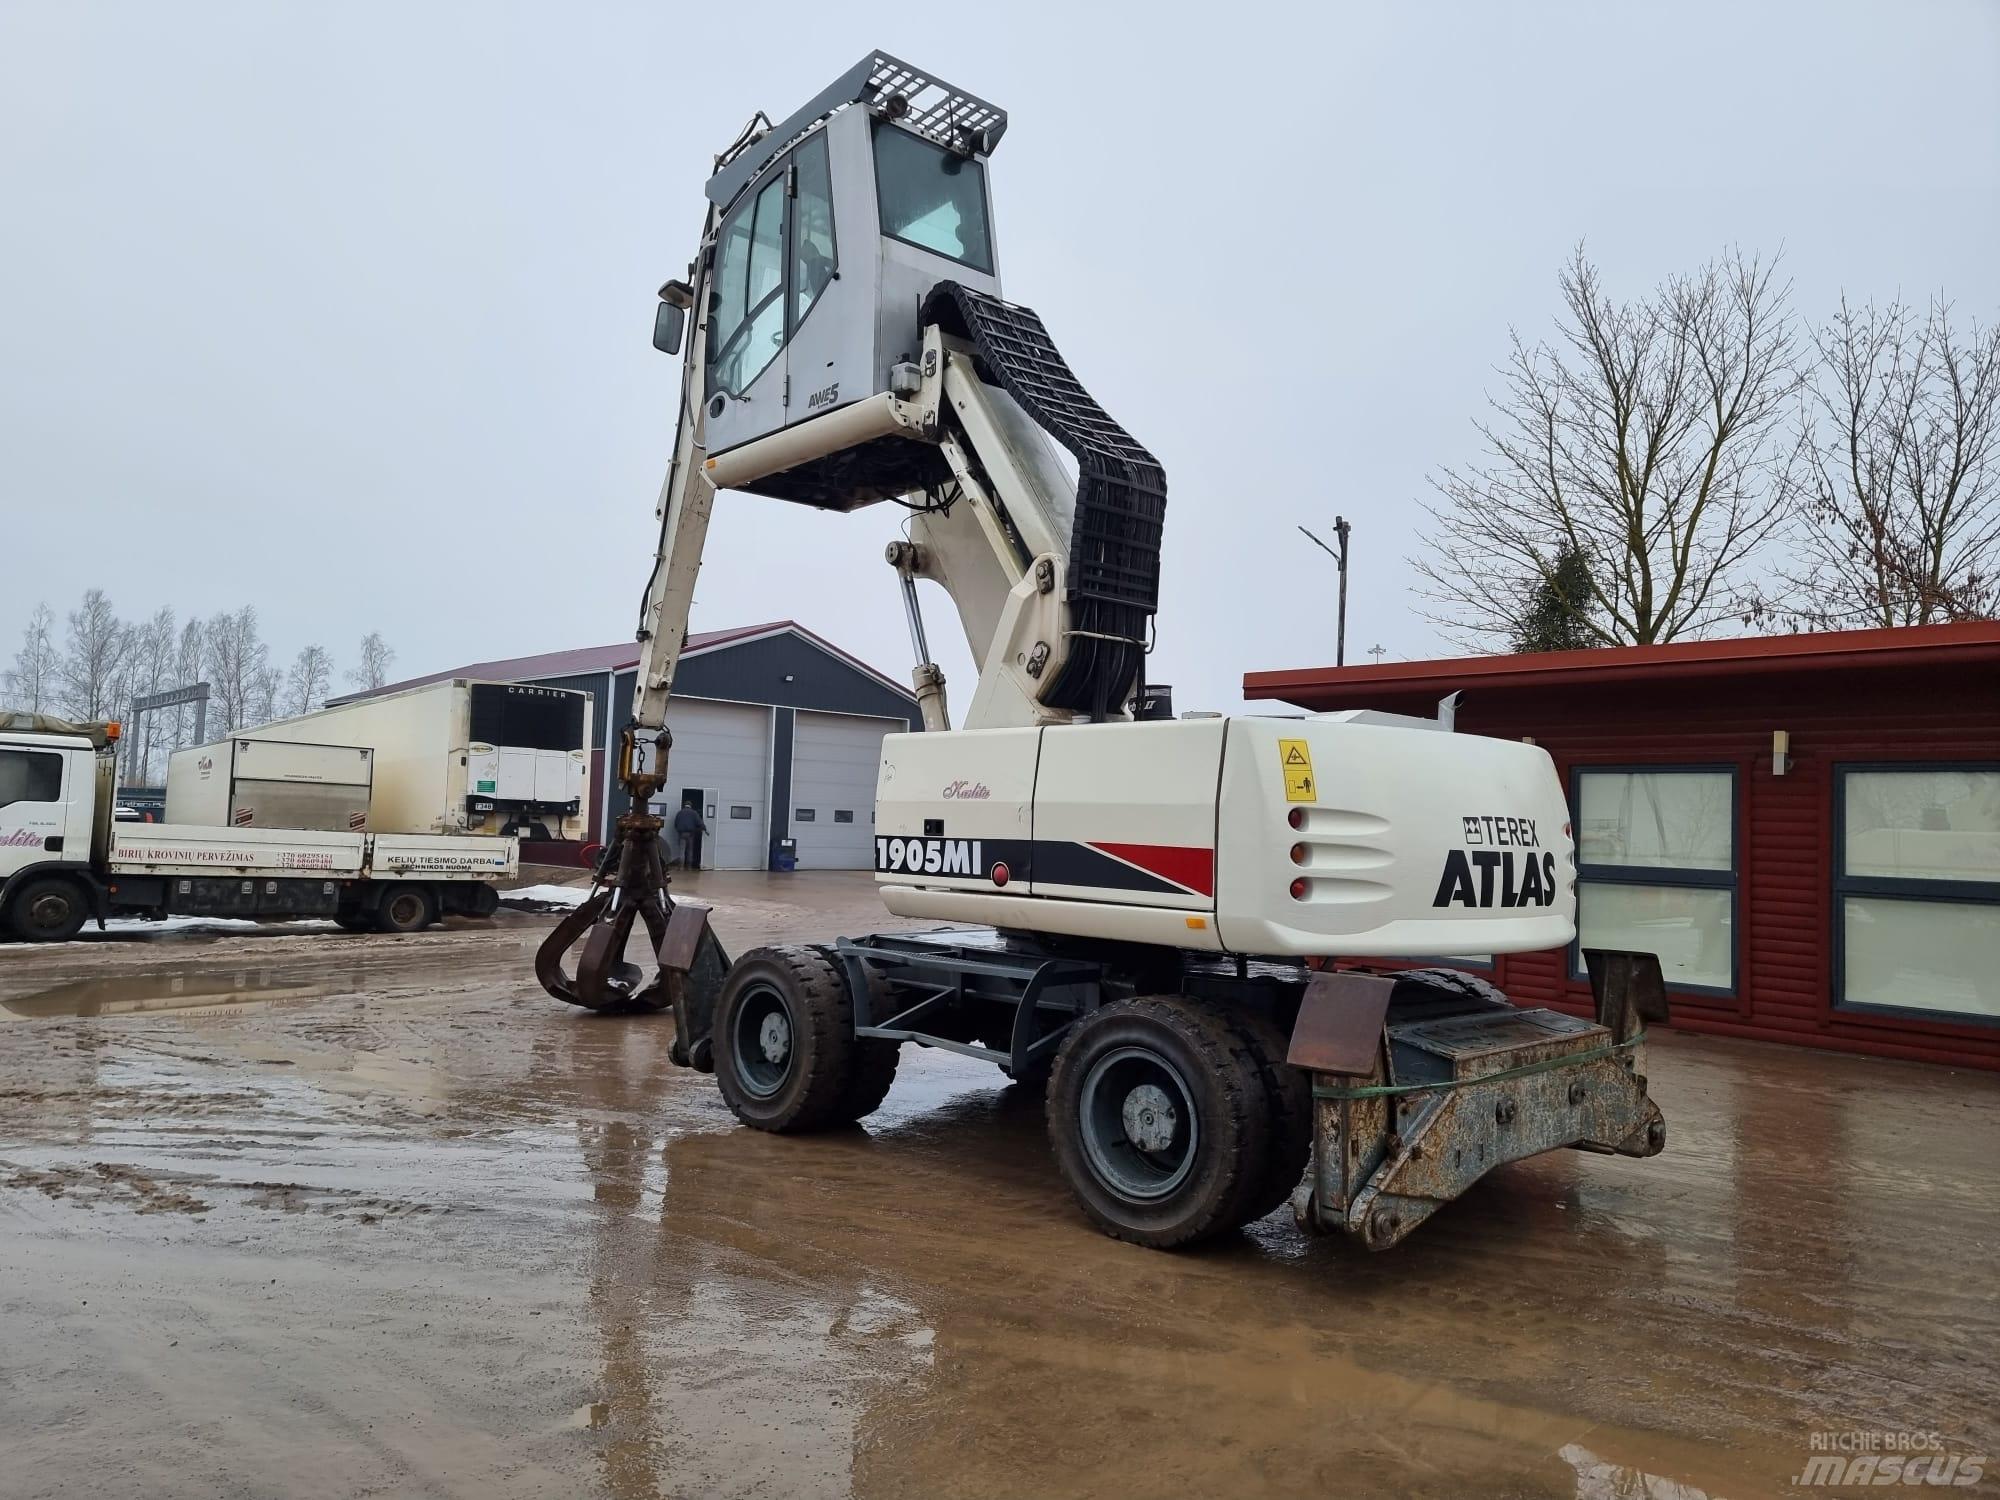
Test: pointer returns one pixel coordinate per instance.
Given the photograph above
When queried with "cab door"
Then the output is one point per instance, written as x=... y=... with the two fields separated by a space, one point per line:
x=34 y=811
x=771 y=362
x=747 y=316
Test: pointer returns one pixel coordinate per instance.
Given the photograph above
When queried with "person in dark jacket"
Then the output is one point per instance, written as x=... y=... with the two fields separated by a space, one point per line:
x=688 y=829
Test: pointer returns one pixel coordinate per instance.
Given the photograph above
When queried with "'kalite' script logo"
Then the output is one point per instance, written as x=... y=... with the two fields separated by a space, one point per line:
x=21 y=838
x=966 y=791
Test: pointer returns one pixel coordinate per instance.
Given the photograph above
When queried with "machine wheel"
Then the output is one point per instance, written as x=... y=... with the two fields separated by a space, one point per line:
x=48 y=910
x=786 y=1056
x=1290 y=1093
x=1161 y=1121
x=875 y=1060
x=405 y=908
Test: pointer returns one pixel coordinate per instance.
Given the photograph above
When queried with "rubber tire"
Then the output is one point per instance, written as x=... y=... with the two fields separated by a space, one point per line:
x=1454 y=982
x=1233 y=1108
x=875 y=1058
x=354 y=921
x=43 y=888
x=1290 y=1093
x=425 y=912
x=835 y=1077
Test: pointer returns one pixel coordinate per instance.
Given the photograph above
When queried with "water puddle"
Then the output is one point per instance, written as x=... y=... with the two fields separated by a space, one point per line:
x=203 y=992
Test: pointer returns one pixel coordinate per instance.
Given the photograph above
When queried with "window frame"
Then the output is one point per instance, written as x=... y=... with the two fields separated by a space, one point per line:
x=794 y=323
x=1895 y=888
x=783 y=170
x=718 y=353
x=985 y=200
x=1673 y=877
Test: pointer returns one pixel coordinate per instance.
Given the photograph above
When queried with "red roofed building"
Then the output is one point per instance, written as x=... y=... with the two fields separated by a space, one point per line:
x=1805 y=828
x=777 y=735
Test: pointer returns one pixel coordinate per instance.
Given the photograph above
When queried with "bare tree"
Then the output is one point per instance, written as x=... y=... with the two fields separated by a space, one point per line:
x=265 y=687
x=235 y=655
x=152 y=671
x=189 y=657
x=1648 y=439
x=31 y=681
x=1900 y=523
x=376 y=658
x=92 y=659
x=306 y=684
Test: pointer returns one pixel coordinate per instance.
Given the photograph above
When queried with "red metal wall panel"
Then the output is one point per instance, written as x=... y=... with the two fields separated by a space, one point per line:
x=1784 y=837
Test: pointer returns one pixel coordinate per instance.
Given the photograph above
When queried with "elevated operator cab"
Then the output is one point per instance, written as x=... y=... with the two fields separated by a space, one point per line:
x=834 y=227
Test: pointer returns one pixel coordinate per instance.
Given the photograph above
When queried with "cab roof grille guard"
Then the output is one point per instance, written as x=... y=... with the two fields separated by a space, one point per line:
x=936 y=110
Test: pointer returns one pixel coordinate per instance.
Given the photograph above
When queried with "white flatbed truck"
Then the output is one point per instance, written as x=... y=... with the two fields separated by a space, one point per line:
x=65 y=860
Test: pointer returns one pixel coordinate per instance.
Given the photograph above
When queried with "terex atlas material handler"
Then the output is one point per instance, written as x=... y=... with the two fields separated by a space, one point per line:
x=1134 y=897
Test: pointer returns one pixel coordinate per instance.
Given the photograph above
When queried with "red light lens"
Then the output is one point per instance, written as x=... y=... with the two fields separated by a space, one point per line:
x=1300 y=887
x=1000 y=874
x=1296 y=817
x=1298 y=854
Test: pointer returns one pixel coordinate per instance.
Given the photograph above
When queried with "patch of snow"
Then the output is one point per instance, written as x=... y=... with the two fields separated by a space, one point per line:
x=546 y=895
x=208 y=924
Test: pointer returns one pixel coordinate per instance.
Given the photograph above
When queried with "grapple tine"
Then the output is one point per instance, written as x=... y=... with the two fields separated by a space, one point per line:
x=636 y=891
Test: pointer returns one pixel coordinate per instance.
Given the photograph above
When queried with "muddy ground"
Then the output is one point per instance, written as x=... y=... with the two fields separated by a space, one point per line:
x=332 y=1215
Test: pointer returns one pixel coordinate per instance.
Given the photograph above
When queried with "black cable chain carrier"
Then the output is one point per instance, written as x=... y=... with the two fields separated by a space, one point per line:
x=1121 y=496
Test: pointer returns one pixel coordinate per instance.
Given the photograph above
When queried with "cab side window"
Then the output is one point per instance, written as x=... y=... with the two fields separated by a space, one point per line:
x=813 y=255
x=30 y=776
x=747 y=317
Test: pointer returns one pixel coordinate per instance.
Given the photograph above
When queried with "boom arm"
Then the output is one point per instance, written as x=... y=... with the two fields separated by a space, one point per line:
x=1054 y=581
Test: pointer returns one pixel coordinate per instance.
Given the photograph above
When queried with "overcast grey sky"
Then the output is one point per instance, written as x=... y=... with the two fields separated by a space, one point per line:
x=342 y=310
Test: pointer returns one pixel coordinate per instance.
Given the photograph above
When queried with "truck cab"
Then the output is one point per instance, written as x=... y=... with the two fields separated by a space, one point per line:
x=55 y=807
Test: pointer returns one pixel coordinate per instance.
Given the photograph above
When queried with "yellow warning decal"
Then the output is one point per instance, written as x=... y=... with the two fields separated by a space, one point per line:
x=1295 y=756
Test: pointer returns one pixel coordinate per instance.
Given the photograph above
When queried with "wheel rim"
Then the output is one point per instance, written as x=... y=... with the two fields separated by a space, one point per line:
x=405 y=909
x=764 y=1035
x=50 y=912
x=1139 y=1125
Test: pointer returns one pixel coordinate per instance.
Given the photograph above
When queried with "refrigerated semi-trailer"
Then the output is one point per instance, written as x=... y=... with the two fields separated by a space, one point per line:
x=459 y=756
x=256 y=783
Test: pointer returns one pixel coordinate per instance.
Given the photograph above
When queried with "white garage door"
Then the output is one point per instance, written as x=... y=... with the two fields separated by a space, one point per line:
x=722 y=750
x=834 y=762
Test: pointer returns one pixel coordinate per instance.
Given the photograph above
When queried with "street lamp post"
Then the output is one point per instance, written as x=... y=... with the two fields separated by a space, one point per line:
x=1341 y=527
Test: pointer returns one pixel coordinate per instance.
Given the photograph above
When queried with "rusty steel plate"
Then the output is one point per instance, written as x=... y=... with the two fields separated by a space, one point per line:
x=685 y=927
x=1339 y=1028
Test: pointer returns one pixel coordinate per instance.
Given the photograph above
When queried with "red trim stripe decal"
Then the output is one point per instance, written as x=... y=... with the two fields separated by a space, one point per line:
x=1190 y=868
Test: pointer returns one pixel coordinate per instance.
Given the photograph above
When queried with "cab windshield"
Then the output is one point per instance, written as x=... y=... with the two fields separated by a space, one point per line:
x=931 y=197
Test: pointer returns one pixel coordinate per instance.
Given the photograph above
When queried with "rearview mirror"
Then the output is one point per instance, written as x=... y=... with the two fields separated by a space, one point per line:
x=668 y=323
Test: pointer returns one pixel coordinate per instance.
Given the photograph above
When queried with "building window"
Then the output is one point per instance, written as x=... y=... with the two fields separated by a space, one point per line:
x=739 y=812
x=844 y=815
x=804 y=814
x=1656 y=869
x=1917 y=890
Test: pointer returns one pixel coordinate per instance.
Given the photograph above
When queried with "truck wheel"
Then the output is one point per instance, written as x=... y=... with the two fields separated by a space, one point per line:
x=1161 y=1121
x=786 y=1056
x=48 y=910
x=349 y=920
x=405 y=908
x=1290 y=1092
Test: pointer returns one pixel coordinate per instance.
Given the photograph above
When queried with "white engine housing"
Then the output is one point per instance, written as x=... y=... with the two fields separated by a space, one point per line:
x=1351 y=833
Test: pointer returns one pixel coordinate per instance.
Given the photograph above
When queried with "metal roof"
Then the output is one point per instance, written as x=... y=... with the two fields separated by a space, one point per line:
x=622 y=656
x=1973 y=644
